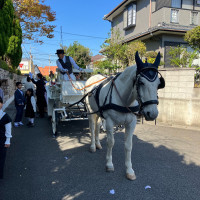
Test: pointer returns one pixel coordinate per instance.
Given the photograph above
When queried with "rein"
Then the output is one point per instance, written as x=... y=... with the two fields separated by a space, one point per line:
x=137 y=82
x=124 y=109
x=86 y=85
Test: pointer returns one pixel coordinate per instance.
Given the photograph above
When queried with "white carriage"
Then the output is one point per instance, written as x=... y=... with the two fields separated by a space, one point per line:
x=62 y=94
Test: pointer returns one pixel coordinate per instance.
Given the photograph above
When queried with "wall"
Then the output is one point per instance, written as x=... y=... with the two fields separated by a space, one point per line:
x=164 y=15
x=142 y=20
x=179 y=101
x=8 y=84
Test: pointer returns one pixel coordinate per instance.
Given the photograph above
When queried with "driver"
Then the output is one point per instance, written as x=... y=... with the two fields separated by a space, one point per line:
x=64 y=64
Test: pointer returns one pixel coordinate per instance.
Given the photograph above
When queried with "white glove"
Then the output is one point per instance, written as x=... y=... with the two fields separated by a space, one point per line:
x=31 y=75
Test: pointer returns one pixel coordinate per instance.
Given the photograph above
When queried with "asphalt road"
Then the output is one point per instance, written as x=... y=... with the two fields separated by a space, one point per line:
x=165 y=158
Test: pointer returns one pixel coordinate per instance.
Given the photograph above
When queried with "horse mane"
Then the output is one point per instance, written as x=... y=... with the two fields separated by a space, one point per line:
x=128 y=73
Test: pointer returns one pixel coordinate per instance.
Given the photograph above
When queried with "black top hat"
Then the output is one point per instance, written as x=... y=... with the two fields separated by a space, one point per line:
x=60 y=51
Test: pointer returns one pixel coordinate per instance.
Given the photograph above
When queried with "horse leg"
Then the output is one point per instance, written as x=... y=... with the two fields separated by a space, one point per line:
x=129 y=129
x=93 y=125
x=97 y=130
x=110 y=144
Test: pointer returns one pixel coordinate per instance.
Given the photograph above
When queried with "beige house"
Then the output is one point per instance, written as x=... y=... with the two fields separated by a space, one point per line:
x=158 y=23
x=26 y=66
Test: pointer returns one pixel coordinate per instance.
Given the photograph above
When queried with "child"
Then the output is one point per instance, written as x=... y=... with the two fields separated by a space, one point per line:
x=19 y=104
x=30 y=107
x=5 y=135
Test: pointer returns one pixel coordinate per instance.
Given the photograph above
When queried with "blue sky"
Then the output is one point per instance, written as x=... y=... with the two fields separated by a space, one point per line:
x=84 y=17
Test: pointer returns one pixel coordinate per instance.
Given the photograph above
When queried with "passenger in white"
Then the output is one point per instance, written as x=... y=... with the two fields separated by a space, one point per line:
x=65 y=64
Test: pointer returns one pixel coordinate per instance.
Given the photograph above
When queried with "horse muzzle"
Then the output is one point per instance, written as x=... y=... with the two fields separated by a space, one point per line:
x=150 y=114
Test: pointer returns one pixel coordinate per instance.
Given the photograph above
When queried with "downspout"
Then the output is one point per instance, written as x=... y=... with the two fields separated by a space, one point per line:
x=150 y=10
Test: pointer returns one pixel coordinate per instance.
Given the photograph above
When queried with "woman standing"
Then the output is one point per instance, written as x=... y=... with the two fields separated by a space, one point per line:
x=28 y=84
x=40 y=93
x=5 y=135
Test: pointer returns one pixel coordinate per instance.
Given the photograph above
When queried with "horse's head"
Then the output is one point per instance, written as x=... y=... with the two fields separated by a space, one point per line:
x=148 y=82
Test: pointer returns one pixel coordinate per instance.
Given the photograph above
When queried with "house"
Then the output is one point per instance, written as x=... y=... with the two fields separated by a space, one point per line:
x=26 y=66
x=95 y=59
x=45 y=71
x=160 y=24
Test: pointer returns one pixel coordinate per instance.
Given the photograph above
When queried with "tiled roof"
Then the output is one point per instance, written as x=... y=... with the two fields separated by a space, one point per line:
x=97 y=57
x=45 y=70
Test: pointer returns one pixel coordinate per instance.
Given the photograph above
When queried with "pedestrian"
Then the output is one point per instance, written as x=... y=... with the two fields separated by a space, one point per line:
x=29 y=84
x=1 y=92
x=19 y=104
x=30 y=107
x=65 y=64
x=40 y=93
x=5 y=135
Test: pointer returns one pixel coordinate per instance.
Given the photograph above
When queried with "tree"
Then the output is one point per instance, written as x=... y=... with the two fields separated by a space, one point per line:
x=80 y=54
x=114 y=49
x=151 y=57
x=132 y=48
x=6 y=20
x=105 y=65
x=14 y=51
x=193 y=37
x=34 y=18
x=180 y=57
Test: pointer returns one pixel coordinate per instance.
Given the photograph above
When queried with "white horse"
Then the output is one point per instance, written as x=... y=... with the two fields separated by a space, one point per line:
x=140 y=83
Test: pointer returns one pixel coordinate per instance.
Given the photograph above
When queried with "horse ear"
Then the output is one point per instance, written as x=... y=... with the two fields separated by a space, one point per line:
x=157 y=61
x=138 y=60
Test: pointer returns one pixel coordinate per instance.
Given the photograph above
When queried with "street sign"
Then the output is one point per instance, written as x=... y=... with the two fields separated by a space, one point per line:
x=21 y=65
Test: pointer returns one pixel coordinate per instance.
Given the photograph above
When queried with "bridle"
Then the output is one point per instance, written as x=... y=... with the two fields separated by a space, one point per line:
x=137 y=82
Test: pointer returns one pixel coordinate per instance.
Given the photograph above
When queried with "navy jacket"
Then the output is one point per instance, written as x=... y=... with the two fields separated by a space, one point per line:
x=19 y=98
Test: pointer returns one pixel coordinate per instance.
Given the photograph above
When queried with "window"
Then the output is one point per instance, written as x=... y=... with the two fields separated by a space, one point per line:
x=194 y=18
x=176 y=3
x=130 y=16
x=198 y=2
x=174 y=16
x=187 y=4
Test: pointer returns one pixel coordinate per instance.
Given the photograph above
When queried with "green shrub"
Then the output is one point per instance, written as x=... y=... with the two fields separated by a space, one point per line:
x=4 y=65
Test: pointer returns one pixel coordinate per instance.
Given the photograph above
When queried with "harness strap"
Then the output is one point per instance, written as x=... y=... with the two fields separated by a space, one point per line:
x=79 y=100
x=118 y=108
x=99 y=89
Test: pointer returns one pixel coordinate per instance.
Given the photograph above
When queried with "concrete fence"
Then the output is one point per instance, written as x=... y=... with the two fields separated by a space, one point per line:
x=8 y=81
x=179 y=102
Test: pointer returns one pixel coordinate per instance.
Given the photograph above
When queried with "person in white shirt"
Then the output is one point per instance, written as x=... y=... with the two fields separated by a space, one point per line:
x=65 y=64
x=29 y=84
x=5 y=135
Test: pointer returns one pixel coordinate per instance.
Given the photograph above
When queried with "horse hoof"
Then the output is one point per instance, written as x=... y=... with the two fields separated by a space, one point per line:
x=109 y=169
x=98 y=146
x=92 y=150
x=131 y=177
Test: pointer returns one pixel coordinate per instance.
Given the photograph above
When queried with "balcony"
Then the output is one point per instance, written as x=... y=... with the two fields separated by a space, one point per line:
x=175 y=18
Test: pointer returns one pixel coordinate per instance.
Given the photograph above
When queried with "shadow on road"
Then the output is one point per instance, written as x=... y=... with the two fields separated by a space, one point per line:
x=36 y=169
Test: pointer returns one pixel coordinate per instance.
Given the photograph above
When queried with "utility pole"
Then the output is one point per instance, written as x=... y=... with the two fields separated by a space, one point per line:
x=61 y=35
x=31 y=59
x=49 y=62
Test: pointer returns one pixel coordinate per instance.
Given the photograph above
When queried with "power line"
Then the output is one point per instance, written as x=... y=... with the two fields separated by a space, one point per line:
x=82 y=35
x=26 y=51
